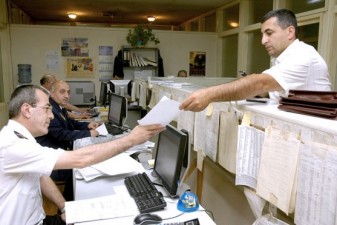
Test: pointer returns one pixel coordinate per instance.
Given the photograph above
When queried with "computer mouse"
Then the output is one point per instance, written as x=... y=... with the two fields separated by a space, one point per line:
x=147 y=219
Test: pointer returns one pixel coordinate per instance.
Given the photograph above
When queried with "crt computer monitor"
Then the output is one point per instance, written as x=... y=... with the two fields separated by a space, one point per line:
x=117 y=109
x=170 y=157
x=116 y=85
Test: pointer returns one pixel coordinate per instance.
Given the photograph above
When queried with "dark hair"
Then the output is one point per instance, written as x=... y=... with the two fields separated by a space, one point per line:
x=45 y=79
x=182 y=71
x=285 y=18
x=23 y=94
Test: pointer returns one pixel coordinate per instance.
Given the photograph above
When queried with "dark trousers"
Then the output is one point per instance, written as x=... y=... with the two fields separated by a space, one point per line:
x=53 y=220
x=67 y=177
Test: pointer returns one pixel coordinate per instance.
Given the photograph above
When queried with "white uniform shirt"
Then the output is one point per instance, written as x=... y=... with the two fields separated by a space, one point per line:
x=299 y=67
x=22 y=162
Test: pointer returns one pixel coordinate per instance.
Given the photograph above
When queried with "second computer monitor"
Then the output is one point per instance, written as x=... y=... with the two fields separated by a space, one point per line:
x=121 y=87
x=172 y=144
x=117 y=109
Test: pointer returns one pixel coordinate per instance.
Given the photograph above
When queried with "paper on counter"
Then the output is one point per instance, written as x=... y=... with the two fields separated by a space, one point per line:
x=106 y=207
x=162 y=113
x=119 y=164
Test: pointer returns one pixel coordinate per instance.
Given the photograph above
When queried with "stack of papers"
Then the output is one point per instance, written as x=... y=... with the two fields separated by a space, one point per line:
x=106 y=207
x=120 y=164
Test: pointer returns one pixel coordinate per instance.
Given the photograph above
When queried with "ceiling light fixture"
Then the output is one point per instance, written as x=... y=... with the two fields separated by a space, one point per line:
x=151 y=18
x=72 y=15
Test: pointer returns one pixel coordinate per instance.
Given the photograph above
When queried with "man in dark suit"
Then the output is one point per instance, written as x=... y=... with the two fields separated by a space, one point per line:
x=62 y=131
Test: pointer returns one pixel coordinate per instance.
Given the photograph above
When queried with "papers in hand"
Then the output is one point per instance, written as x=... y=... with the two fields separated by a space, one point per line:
x=119 y=164
x=162 y=113
x=102 y=130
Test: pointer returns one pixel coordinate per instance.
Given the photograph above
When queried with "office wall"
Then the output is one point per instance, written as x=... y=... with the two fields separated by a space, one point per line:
x=30 y=45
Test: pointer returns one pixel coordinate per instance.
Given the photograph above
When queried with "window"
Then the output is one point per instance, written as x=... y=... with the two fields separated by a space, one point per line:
x=309 y=34
x=256 y=11
x=258 y=58
x=230 y=56
x=299 y=6
x=231 y=17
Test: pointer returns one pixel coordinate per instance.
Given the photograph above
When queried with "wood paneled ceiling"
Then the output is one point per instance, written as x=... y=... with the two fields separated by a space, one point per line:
x=117 y=12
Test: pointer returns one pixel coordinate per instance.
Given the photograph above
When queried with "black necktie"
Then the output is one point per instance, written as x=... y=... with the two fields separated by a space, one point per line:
x=65 y=114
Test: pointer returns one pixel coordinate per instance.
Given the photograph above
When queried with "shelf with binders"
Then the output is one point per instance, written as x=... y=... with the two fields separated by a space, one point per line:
x=141 y=59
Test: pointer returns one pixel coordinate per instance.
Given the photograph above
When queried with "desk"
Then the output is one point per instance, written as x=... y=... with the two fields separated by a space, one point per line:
x=105 y=186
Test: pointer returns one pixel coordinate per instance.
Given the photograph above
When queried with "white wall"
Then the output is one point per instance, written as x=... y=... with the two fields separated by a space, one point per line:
x=30 y=45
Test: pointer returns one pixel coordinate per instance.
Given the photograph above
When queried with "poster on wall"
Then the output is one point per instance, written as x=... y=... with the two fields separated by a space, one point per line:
x=80 y=68
x=105 y=63
x=197 y=63
x=75 y=47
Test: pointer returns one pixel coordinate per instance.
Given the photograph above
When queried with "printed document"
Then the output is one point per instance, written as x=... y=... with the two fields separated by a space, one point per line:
x=119 y=164
x=106 y=207
x=250 y=141
x=162 y=113
x=269 y=220
x=277 y=174
x=316 y=199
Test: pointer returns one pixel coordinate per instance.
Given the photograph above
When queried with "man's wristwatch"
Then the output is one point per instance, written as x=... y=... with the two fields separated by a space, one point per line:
x=61 y=211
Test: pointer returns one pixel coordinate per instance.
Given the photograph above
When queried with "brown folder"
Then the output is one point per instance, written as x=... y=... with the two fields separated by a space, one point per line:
x=315 y=103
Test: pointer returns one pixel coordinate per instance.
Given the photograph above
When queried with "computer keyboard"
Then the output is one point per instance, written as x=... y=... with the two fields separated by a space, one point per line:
x=93 y=112
x=112 y=129
x=145 y=194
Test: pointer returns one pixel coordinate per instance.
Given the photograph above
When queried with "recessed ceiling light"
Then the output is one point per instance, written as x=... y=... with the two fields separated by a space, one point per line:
x=72 y=15
x=151 y=18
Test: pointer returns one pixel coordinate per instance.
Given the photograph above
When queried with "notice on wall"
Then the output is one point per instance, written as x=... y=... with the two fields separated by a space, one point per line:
x=80 y=68
x=197 y=63
x=105 y=62
x=277 y=174
x=75 y=47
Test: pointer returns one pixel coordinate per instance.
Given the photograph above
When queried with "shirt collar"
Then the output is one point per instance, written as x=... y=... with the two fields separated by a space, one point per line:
x=284 y=54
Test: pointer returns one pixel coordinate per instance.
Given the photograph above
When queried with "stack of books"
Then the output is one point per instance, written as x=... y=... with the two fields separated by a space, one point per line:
x=135 y=60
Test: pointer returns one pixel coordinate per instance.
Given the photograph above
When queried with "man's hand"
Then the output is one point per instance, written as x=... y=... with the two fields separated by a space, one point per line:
x=196 y=102
x=140 y=134
x=93 y=125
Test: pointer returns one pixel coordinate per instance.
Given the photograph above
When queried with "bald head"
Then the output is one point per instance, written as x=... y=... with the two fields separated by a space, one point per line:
x=47 y=81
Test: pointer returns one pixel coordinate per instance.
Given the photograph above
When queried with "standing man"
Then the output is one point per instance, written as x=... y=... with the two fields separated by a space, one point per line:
x=63 y=131
x=295 y=65
x=25 y=165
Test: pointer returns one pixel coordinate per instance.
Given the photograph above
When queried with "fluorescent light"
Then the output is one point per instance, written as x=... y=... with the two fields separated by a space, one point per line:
x=151 y=18
x=72 y=15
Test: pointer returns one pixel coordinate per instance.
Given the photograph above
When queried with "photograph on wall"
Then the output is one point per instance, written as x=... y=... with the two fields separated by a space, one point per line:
x=197 y=63
x=105 y=63
x=75 y=47
x=80 y=68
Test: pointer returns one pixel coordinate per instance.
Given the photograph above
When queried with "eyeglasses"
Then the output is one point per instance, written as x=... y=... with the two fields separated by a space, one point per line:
x=45 y=107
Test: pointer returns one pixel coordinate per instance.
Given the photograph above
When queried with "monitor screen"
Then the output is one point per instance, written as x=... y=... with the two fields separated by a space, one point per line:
x=121 y=87
x=169 y=157
x=103 y=95
x=117 y=109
